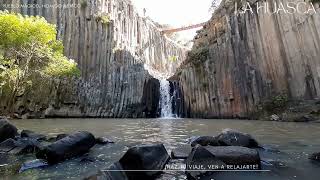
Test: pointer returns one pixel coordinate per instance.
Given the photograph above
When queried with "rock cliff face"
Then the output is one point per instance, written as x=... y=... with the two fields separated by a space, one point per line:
x=238 y=60
x=111 y=45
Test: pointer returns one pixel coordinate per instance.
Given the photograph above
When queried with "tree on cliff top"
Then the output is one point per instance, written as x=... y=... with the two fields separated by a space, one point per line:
x=29 y=51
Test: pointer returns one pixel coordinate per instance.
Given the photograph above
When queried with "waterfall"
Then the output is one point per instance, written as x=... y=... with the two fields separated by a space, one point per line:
x=165 y=99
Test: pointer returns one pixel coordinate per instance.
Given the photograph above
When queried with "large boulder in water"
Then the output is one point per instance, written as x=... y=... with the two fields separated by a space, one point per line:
x=7 y=130
x=145 y=157
x=236 y=155
x=200 y=162
x=203 y=160
x=234 y=138
x=205 y=141
x=68 y=147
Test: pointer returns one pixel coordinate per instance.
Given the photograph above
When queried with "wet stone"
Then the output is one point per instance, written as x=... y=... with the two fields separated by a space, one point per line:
x=32 y=135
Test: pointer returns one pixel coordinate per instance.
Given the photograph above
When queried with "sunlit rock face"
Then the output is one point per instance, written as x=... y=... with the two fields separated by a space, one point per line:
x=239 y=60
x=111 y=45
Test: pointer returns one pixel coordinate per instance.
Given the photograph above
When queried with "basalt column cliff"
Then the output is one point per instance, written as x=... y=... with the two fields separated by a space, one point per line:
x=112 y=45
x=241 y=59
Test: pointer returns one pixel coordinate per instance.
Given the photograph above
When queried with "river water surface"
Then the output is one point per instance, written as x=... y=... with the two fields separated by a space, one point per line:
x=288 y=144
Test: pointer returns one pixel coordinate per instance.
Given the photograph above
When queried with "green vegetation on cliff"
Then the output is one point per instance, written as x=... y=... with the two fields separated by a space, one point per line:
x=29 y=53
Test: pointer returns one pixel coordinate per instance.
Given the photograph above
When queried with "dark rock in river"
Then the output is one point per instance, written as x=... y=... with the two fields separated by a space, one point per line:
x=68 y=147
x=234 y=138
x=304 y=118
x=203 y=160
x=61 y=136
x=57 y=138
x=145 y=157
x=315 y=156
x=33 y=135
x=236 y=155
x=25 y=146
x=103 y=140
x=20 y=146
x=205 y=141
x=7 y=145
x=7 y=130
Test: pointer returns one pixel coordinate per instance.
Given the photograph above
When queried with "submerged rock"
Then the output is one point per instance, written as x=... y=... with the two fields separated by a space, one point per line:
x=37 y=163
x=234 y=138
x=33 y=135
x=68 y=147
x=205 y=141
x=114 y=172
x=103 y=140
x=7 y=130
x=145 y=157
x=315 y=156
x=9 y=165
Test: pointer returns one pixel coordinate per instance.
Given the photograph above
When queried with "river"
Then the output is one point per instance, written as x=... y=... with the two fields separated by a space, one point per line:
x=289 y=143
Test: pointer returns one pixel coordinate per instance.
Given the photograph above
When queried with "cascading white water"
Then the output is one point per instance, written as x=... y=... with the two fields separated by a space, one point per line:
x=165 y=99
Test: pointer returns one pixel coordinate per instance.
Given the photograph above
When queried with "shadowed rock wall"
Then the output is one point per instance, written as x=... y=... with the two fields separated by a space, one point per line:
x=111 y=45
x=238 y=60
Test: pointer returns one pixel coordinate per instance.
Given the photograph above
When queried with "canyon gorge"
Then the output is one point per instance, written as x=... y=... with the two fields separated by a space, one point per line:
x=114 y=48
x=131 y=103
x=238 y=61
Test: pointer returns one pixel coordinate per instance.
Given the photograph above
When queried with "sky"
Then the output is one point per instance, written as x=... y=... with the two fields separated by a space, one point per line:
x=176 y=13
